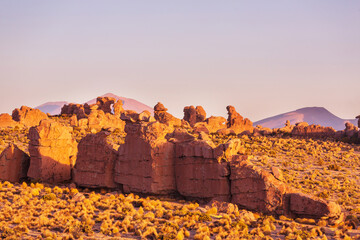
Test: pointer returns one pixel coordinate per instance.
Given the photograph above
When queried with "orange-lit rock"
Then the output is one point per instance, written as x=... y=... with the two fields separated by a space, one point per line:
x=236 y=122
x=7 y=121
x=52 y=152
x=215 y=123
x=95 y=162
x=161 y=115
x=28 y=116
x=97 y=119
x=14 y=164
x=194 y=115
x=118 y=108
x=146 y=160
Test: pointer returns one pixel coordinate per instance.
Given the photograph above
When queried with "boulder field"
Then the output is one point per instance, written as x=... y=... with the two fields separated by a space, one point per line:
x=160 y=155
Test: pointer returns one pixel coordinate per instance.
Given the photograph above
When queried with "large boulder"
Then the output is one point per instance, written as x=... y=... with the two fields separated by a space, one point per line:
x=118 y=108
x=95 y=161
x=161 y=115
x=28 y=116
x=52 y=152
x=256 y=189
x=236 y=122
x=7 y=121
x=358 y=117
x=146 y=160
x=350 y=130
x=14 y=164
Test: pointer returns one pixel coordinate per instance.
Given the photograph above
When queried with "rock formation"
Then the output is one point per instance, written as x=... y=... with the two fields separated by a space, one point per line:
x=105 y=103
x=194 y=115
x=316 y=131
x=7 y=121
x=215 y=123
x=358 y=117
x=97 y=119
x=95 y=161
x=118 y=108
x=146 y=160
x=161 y=115
x=202 y=171
x=74 y=109
x=350 y=130
x=28 y=116
x=236 y=122
x=52 y=152
x=14 y=164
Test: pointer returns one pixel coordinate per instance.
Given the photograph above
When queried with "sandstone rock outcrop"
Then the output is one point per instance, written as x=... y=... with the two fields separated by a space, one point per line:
x=194 y=115
x=316 y=131
x=14 y=164
x=97 y=119
x=28 y=116
x=118 y=108
x=254 y=188
x=236 y=122
x=161 y=115
x=215 y=123
x=257 y=189
x=105 y=103
x=74 y=109
x=52 y=152
x=7 y=121
x=146 y=160
x=350 y=130
x=201 y=169
x=95 y=161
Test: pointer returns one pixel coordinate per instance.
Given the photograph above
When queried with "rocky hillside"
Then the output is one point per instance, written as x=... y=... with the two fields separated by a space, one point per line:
x=297 y=182
x=311 y=115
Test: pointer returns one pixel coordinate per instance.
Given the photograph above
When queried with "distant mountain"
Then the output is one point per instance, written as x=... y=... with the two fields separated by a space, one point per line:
x=311 y=115
x=54 y=108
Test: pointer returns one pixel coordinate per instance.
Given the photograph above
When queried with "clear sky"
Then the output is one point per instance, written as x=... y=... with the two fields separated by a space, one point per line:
x=263 y=57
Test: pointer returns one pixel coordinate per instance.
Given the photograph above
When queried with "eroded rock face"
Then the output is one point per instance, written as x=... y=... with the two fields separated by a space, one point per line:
x=7 y=121
x=215 y=123
x=254 y=188
x=236 y=122
x=118 y=108
x=97 y=119
x=52 y=152
x=161 y=115
x=146 y=160
x=105 y=103
x=14 y=164
x=350 y=130
x=74 y=109
x=95 y=162
x=303 y=205
x=201 y=169
x=28 y=116
x=358 y=117
x=316 y=131
x=194 y=115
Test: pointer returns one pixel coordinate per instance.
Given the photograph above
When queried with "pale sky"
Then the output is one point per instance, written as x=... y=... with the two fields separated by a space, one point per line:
x=263 y=57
